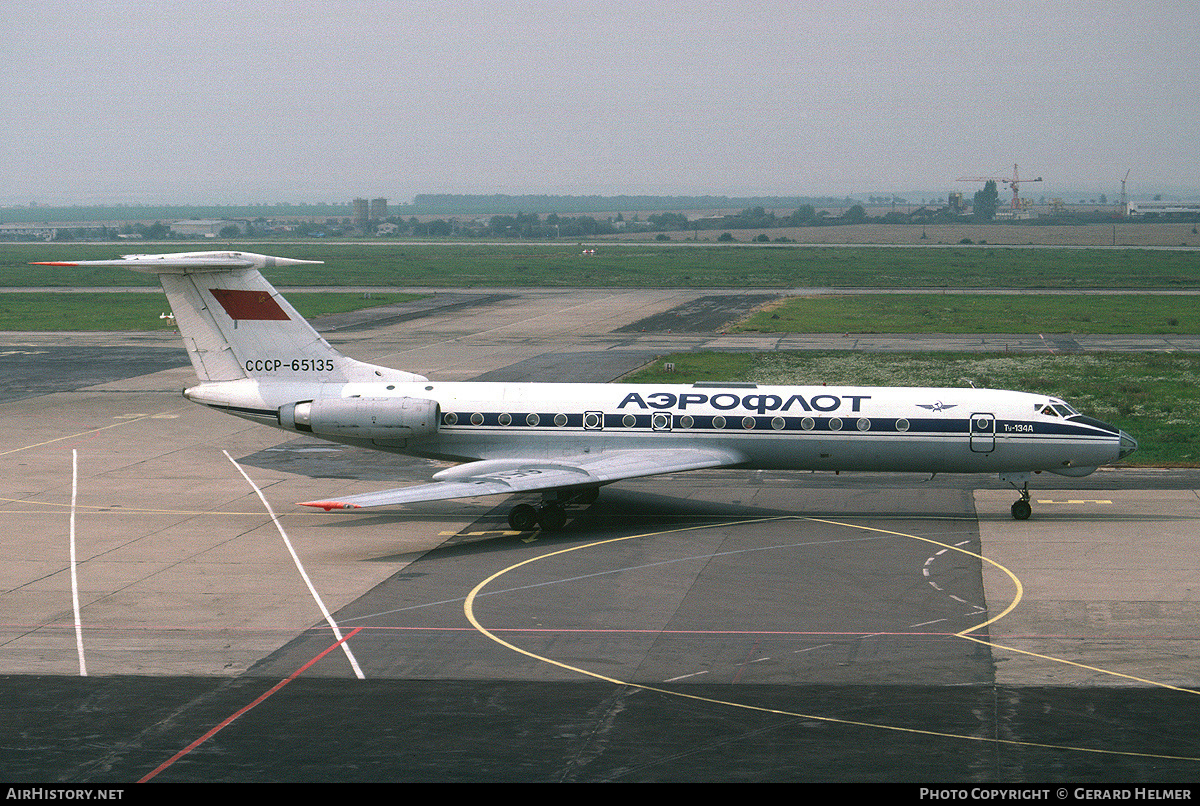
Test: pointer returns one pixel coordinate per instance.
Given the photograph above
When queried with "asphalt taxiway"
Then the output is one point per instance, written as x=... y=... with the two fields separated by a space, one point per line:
x=725 y=625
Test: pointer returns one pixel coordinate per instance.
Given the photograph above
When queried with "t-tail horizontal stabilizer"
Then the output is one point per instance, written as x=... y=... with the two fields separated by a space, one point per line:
x=187 y=262
x=236 y=326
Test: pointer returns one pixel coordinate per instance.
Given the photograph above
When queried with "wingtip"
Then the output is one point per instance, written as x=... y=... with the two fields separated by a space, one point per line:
x=52 y=263
x=328 y=506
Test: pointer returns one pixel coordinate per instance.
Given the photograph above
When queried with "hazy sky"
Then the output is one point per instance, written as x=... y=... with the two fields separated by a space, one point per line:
x=264 y=101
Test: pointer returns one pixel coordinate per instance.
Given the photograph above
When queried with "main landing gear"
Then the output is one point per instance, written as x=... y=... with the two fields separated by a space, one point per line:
x=1021 y=509
x=526 y=517
x=551 y=514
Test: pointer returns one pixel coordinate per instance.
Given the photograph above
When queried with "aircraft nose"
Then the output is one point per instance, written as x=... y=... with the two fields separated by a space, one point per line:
x=1125 y=443
x=1128 y=445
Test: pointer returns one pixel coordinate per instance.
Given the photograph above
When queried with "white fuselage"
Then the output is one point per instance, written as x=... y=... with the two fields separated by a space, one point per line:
x=769 y=427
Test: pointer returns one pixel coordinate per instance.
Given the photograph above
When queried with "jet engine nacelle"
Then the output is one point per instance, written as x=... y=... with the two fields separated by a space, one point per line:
x=386 y=418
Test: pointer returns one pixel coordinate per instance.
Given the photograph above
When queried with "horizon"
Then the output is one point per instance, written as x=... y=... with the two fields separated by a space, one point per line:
x=1069 y=197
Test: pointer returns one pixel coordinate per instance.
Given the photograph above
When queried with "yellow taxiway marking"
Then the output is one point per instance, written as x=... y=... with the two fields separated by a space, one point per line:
x=1075 y=501
x=469 y=611
x=93 y=509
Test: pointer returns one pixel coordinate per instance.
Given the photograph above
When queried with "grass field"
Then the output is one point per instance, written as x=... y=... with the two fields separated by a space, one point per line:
x=873 y=313
x=633 y=265
x=1153 y=396
x=141 y=311
x=1029 y=312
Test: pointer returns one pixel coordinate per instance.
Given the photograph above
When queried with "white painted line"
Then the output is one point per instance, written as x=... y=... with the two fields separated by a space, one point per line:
x=74 y=576
x=300 y=567
x=684 y=677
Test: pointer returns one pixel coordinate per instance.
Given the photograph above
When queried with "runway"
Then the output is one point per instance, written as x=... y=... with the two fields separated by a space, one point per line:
x=713 y=626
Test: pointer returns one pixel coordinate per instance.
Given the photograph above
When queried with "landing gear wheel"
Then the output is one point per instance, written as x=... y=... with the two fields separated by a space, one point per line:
x=552 y=517
x=522 y=518
x=1021 y=510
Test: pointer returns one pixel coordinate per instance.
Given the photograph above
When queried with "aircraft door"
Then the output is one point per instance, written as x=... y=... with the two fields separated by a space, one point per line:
x=983 y=432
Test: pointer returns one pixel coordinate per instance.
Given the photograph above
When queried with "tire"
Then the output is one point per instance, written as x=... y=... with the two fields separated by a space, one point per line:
x=522 y=518
x=552 y=518
x=1021 y=510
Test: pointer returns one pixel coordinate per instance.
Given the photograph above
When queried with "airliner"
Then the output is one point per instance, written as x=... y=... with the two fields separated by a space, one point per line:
x=257 y=358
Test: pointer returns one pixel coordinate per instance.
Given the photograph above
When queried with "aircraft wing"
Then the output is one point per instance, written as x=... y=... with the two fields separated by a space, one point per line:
x=496 y=476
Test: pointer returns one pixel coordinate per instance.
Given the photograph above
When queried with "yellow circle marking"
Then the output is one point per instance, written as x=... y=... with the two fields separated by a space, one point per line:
x=1020 y=592
x=469 y=611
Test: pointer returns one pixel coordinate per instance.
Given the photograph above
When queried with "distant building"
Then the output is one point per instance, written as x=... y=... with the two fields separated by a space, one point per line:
x=361 y=212
x=379 y=210
x=1141 y=208
x=21 y=232
x=1009 y=214
x=205 y=227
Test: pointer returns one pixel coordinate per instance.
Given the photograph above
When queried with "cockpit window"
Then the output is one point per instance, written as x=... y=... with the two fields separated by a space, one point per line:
x=1058 y=409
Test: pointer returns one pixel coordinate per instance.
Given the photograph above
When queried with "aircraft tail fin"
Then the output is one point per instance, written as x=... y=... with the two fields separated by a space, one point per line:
x=235 y=325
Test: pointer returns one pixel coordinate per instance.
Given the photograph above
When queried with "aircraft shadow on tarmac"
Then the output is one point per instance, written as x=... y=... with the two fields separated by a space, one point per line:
x=627 y=507
x=614 y=510
x=616 y=513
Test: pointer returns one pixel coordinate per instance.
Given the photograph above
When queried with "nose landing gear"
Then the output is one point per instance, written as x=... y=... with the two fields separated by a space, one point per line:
x=1021 y=509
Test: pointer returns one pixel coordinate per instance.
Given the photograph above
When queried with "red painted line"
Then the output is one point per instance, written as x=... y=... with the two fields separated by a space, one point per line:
x=737 y=678
x=229 y=719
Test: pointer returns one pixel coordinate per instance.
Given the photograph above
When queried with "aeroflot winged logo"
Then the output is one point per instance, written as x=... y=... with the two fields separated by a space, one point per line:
x=249 y=305
x=938 y=406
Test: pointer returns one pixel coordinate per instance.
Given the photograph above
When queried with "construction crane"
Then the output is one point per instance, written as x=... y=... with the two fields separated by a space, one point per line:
x=1013 y=182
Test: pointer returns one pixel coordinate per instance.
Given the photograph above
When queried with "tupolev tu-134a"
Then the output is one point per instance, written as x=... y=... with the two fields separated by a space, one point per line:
x=257 y=358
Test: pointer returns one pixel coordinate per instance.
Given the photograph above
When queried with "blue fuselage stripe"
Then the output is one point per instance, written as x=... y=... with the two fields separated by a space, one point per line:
x=661 y=421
